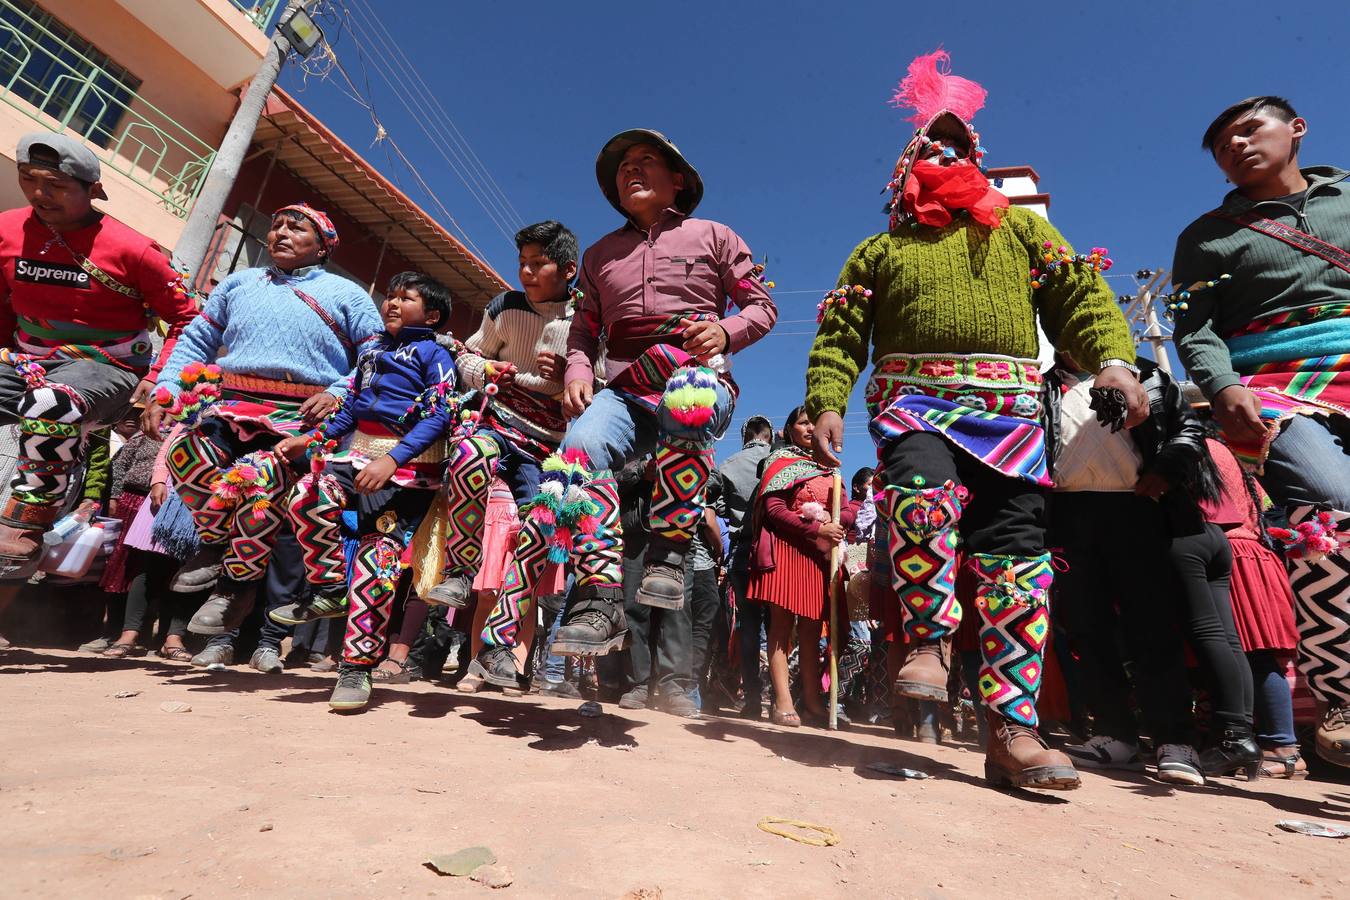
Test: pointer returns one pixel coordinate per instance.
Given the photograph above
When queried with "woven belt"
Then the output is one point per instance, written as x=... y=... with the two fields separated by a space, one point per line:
x=252 y=384
x=374 y=446
x=984 y=370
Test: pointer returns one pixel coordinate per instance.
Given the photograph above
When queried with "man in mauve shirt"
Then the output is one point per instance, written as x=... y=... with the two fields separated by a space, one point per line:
x=655 y=292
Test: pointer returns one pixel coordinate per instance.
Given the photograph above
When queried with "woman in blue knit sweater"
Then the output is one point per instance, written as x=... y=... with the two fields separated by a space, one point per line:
x=275 y=346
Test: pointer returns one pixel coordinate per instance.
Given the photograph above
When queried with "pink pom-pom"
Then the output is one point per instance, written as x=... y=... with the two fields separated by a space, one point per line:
x=693 y=416
x=543 y=515
x=576 y=457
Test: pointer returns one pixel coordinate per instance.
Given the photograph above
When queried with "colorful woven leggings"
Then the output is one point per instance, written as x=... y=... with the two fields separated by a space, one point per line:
x=468 y=480
x=370 y=599
x=1012 y=594
x=682 y=469
x=196 y=463
x=315 y=512
x=597 y=561
x=1322 y=612
x=49 y=444
x=923 y=537
x=255 y=523
x=598 y=557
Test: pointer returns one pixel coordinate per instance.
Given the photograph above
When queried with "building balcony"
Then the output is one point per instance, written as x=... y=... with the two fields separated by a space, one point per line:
x=49 y=82
x=225 y=38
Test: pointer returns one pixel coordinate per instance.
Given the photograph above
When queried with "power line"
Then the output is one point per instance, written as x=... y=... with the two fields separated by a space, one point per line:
x=412 y=92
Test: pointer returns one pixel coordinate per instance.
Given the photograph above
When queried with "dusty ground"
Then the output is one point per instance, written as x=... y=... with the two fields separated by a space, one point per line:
x=260 y=791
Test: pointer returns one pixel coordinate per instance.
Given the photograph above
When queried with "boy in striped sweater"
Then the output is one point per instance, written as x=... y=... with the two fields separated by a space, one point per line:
x=515 y=357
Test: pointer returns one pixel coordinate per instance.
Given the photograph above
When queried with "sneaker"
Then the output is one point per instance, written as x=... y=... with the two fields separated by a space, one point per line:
x=453 y=592
x=267 y=661
x=322 y=664
x=1333 y=736
x=97 y=645
x=1179 y=764
x=323 y=605
x=352 y=690
x=565 y=690
x=214 y=656
x=679 y=704
x=1106 y=752
x=634 y=699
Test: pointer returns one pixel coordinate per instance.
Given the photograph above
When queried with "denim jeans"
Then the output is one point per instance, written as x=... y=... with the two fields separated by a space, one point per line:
x=517 y=469
x=615 y=429
x=1309 y=462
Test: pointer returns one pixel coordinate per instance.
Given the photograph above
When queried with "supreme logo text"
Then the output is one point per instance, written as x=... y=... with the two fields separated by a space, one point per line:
x=39 y=271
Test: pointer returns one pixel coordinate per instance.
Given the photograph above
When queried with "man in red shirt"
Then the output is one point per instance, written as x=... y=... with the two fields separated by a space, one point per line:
x=657 y=289
x=78 y=291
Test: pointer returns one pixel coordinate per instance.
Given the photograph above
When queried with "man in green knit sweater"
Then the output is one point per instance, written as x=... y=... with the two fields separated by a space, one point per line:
x=1269 y=344
x=945 y=303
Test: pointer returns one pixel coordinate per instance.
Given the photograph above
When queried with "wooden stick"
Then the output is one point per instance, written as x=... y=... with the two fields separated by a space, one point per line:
x=836 y=556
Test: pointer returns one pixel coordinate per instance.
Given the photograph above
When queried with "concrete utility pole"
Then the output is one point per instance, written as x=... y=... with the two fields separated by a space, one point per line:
x=1142 y=310
x=192 y=245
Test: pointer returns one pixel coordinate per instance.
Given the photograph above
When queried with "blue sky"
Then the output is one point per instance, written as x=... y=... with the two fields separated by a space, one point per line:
x=782 y=108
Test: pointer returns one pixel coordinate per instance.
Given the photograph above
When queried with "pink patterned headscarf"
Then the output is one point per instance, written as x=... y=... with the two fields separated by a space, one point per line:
x=327 y=233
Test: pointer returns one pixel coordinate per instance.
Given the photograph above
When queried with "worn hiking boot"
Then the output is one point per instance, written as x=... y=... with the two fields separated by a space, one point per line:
x=453 y=592
x=200 y=572
x=663 y=575
x=1018 y=757
x=225 y=609
x=352 y=690
x=496 y=665
x=1333 y=736
x=636 y=698
x=594 y=625
x=924 y=674
x=328 y=603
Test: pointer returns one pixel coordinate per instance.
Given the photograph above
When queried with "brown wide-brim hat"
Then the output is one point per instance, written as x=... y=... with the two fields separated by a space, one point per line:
x=607 y=167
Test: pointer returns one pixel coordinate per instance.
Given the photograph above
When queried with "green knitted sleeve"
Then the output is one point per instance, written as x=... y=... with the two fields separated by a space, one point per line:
x=96 y=467
x=844 y=336
x=1076 y=306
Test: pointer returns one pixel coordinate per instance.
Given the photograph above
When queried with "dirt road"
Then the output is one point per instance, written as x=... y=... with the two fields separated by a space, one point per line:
x=260 y=791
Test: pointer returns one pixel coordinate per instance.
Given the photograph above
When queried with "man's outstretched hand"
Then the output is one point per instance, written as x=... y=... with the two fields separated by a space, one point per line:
x=828 y=441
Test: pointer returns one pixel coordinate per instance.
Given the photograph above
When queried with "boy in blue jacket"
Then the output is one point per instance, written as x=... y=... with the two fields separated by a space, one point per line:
x=397 y=412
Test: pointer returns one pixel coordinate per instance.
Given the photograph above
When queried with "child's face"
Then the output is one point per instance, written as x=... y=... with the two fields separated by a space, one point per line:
x=127 y=427
x=541 y=278
x=404 y=308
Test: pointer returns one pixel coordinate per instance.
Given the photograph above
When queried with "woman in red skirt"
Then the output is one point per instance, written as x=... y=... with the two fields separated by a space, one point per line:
x=1263 y=610
x=790 y=562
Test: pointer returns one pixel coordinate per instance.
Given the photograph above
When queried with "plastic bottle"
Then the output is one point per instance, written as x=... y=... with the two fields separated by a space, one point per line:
x=69 y=524
x=81 y=556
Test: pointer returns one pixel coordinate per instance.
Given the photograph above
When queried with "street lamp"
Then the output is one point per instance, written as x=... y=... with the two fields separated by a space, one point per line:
x=302 y=31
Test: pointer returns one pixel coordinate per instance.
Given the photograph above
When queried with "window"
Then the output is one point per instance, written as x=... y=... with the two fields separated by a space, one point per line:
x=47 y=64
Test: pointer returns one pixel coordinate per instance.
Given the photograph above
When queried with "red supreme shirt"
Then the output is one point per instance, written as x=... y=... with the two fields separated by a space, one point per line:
x=52 y=307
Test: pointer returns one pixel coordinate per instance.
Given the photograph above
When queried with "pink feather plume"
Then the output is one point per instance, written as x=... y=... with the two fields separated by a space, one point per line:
x=929 y=88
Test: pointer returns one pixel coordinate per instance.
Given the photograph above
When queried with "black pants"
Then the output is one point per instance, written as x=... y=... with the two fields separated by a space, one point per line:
x=1204 y=562
x=1118 y=589
x=702 y=602
x=752 y=621
x=659 y=651
x=151 y=589
x=283 y=583
x=1005 y=515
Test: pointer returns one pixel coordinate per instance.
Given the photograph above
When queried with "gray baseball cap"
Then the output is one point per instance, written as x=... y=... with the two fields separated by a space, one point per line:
x=73 y=155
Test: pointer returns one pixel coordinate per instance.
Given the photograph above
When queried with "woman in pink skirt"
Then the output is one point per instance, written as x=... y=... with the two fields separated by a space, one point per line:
x=1263 y=610
x=790 y=558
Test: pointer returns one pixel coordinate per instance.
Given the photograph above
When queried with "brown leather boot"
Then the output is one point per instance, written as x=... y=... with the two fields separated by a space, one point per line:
x=21 y=528
x=1017 y=757
x=924 y=674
